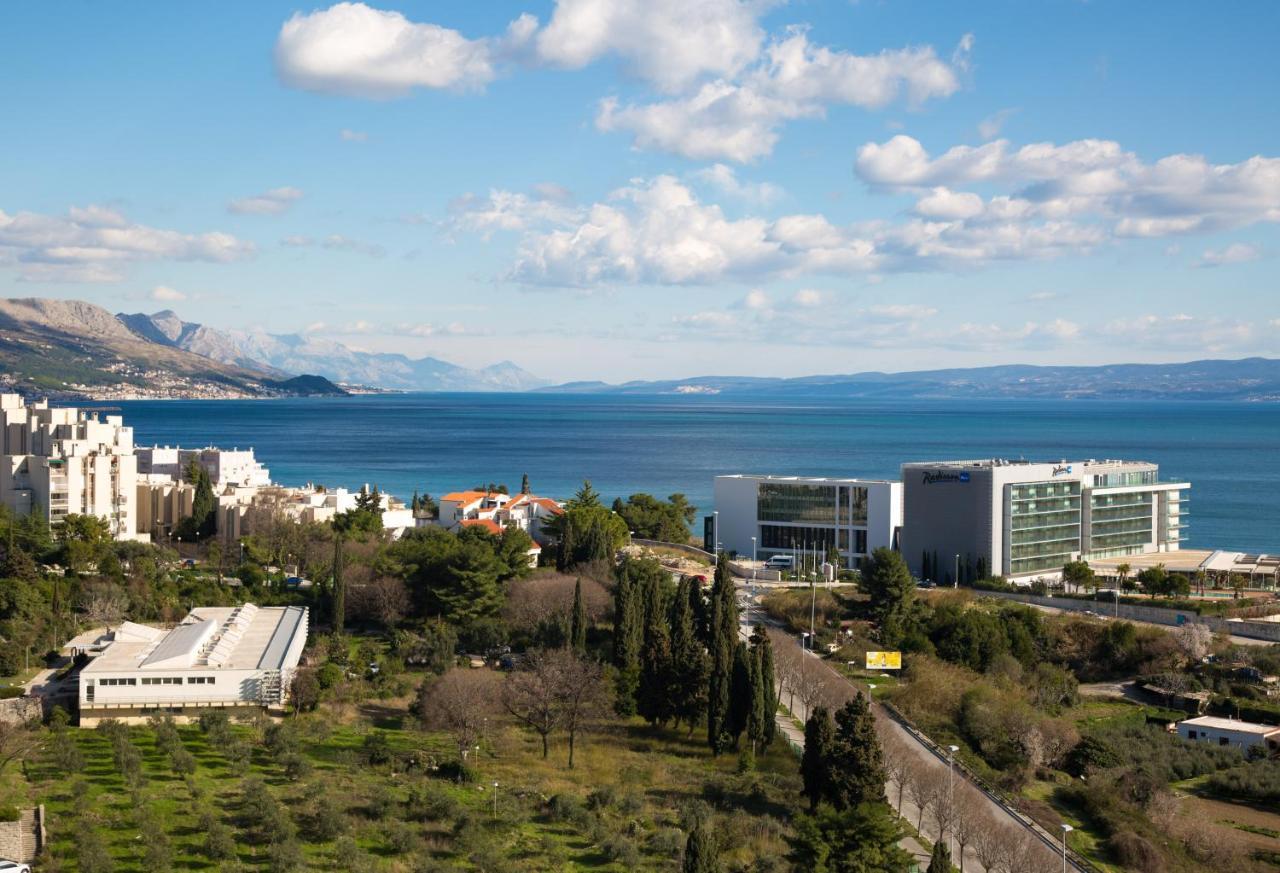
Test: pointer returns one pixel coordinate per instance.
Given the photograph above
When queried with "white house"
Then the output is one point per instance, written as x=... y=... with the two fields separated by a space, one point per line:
x=240 y=659
x=1243 y=735
x=526 y=511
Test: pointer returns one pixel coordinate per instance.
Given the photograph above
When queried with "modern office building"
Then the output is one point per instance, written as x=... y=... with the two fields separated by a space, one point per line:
x=1026 y=519
x=64 y=462
x=805 y=515
x=240 y=659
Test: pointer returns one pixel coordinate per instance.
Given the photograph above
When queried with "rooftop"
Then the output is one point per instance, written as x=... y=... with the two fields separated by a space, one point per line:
x=243 y=637
x=989 y=463
x=1231 y=724
x=809 y=480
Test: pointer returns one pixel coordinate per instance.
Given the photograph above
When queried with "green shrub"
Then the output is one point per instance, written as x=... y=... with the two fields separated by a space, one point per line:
x=8 y=692
x=9 y=813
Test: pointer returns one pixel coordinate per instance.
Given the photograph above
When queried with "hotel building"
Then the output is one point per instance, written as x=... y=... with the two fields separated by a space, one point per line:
x=240 y=659
x=64 y=462
x=805 y=515
x=1025 y=520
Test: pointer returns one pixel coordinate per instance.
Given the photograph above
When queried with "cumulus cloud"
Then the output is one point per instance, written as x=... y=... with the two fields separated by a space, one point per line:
x=96 y=244
x=740 y=120
x=990 y=127
x=273 y=202
x=657 y=231
x=355 y=50
x=726 y=87
x=723 y=178
x=166 y=294
x=1236 y=253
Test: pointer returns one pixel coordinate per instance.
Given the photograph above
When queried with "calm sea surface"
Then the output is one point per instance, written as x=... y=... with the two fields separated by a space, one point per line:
x=442 y=442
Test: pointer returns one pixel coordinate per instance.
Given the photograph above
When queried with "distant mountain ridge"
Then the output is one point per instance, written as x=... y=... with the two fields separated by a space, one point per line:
x=297 y=353
x=1246 y=379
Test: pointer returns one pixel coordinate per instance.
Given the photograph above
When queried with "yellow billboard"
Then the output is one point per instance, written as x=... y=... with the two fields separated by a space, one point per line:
x=884 y=660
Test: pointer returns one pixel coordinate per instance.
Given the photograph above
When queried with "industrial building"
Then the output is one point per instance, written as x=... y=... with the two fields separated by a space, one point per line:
x=762 y=516
x=1026 y=519
x=239 y=659
x=62 y=462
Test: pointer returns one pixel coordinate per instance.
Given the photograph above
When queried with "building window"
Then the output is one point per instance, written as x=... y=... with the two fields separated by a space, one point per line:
x=1224 y=741
x=776 y=501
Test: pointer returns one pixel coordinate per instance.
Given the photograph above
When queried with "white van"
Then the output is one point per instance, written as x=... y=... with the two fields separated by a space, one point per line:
x=780 y=562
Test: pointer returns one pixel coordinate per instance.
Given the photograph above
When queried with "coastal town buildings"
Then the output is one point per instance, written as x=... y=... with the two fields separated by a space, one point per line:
x=62 y=462
x=762 y=516
x=1026 y=519
x=528 y=512
x=238 y=659
x=225 y=466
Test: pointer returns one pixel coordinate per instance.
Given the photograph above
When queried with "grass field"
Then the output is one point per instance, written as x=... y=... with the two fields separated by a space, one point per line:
x=623 y=807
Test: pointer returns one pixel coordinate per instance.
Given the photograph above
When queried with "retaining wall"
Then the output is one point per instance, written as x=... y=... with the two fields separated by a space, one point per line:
x=20 y=710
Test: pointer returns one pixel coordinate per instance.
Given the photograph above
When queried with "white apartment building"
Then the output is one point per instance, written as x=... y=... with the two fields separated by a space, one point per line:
x=1026 y=519
x=777 y=515
x=225 y=466
x=238 y=507
x=240 y=659
x=67 y=462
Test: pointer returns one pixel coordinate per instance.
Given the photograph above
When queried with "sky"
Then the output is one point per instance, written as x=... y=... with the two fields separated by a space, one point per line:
x=653 y=189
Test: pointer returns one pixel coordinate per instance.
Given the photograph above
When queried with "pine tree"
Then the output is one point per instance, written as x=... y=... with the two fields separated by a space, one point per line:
x=856 y=772
x=940 y=860
x=524 y=484
x=724 y=635
x=819 y=736
x=586 y=497
x=701 y=855
x=653 y=699
x=578 y=623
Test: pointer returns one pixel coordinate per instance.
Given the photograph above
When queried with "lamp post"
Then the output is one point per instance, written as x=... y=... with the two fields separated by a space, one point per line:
x=1066 y=829
x=753 y=559
x=495 y=799
x=715 y=533
x=951 y=787
x=955 y=580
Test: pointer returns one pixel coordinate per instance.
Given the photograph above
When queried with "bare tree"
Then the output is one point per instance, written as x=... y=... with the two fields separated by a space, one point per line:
x=459 y=702
x=944 y=811
x=924 y=790
x=549 y=596
x=895 y=759
x=384 y=599
x=966 y=819
x=533 y=695
x=104 y=605
x=584 y=695
x=989 y=840
x=17 y=743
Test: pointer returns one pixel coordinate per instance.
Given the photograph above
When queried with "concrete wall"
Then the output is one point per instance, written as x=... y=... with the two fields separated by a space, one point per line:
x=20 y=710
x=694 y=551
x=1258 y=630
x=23 y=839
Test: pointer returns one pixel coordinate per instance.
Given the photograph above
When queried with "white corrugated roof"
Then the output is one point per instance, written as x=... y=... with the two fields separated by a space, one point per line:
x=1230 y=724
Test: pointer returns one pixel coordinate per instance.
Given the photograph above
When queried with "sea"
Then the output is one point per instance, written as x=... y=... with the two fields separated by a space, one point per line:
x=436 y=443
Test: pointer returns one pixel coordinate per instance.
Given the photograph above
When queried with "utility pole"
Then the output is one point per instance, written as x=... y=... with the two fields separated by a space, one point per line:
x=955 y=580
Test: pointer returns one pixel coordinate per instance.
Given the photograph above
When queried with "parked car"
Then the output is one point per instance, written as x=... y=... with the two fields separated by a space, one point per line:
x=13 y=867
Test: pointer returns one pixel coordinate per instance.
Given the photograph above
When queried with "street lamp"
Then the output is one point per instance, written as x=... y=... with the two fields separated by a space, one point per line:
x=955 y=580
x=1066 y=829
x=753 y=559
x=951 y=789
x=495 y=798
x=715 y=533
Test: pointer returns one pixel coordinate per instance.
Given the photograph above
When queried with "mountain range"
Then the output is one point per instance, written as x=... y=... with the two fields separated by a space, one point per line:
x=297 y=353
x=1247 y=379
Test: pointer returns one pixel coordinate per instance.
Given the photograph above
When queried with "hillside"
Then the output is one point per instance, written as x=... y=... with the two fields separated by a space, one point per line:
x=72 y=349
x=296 y=353
x=1248 y=379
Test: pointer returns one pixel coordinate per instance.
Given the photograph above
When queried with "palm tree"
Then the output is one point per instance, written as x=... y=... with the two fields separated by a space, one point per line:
x=1123 y=570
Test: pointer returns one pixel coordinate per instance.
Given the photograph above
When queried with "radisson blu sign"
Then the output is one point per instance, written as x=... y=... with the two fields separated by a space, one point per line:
x=939 y=477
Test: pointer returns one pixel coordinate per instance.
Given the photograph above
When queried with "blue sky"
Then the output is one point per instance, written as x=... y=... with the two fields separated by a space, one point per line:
x=620 y=189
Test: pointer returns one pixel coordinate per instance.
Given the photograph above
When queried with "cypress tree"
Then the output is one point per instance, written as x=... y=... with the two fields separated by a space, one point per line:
x=653 y=700
x=701 y=855
x=940 y=860
x=688 y=681
x=626 y=639
x=568 y=544
x=578 y=623
x=524 y=484
x=742 y=692
x=724 y=635
x=819 y=736
x=766 y=695
x=856 y=773
x=339 y=587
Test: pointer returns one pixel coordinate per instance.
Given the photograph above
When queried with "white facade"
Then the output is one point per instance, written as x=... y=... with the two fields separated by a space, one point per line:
x=806 y=515
x=66 y=462
x=1241 y=735
x=226 y=467
x=526 y=511
x=237 y=658
x=1026 y=519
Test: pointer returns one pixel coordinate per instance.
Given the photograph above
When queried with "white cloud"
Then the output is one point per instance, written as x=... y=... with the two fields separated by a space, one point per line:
x=671 y=43
x=96 y=244
x=723 y=178
x=807 y=298
x=990 y=127
x=740 y=120
x=1236 y=253
x=347 y=135
x=901 y=311
x=1042 y=296
x=166 y=294
x=756 y=299
x=947 y=204
x=297 y=241
x=355 y=50
x=273 y=202
x=512 y=211
x=338 y=242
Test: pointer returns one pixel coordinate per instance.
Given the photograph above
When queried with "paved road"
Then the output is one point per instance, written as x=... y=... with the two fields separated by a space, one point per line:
x=923 y=756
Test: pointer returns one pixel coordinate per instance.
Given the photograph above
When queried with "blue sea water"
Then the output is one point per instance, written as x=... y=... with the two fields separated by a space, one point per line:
x=663 y=444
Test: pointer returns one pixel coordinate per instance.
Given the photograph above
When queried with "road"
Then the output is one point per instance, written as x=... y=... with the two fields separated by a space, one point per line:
x=922 y=754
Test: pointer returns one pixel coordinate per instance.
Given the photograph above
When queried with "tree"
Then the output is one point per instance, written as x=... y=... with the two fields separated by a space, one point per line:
x=687 y=677
x=724 y=634
x=578 y=623
x=459 y=702
x=1154 y=580
x=760 y=719
x=582 y=694
x=701 y=854
x=653 y=698
x=819 y=739
x=855 y=773
x=1123 y=570
x=863 y=839
x=1078 y=574
x=339 y=594
x=17 y=743
x=887 y=583
x=532 y=695
x=628 y=628
x=203 y=519
x=524 y=484
x=940 y=859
